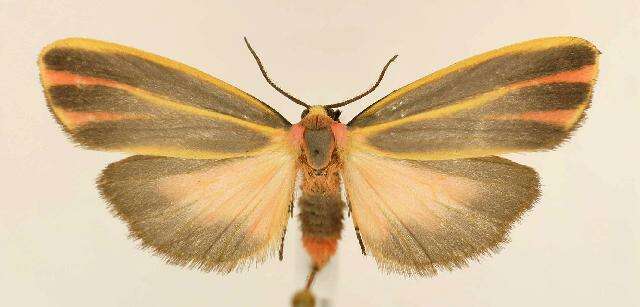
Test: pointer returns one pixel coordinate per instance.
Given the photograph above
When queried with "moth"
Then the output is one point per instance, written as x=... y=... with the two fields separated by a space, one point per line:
x=211 y=181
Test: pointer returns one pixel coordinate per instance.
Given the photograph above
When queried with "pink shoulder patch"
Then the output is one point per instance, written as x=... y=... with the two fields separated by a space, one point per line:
x=296 y=133
x=339 y=133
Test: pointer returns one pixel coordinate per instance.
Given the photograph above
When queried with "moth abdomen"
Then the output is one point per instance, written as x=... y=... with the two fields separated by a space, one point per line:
x=321 y=216
x=321 y=222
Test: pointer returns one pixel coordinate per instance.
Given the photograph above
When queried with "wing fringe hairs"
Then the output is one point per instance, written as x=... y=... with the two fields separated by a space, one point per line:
x=452 y=212
x=181 y=210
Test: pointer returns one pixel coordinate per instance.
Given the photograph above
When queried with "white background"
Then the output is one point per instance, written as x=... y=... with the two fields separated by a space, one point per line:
x=59 y=246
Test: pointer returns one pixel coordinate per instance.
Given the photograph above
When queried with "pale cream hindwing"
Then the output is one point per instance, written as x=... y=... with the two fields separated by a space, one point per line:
x=416 y=217
x=210 y=214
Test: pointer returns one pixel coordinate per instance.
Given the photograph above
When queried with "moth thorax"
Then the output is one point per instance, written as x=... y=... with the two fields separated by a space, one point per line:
x=317 y=118
x=321 y=220
x=319 y=142
x=318 y=147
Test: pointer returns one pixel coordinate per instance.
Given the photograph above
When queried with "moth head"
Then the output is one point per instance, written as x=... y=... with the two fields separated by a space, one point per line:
x=332 y=113
x=318 y=117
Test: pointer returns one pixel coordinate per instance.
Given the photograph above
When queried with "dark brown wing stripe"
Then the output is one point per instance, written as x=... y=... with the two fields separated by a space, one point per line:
x=546 y=97
x=533 y=115
x=170 y=132
x=99 y=98
x=156 y=78
x=529 y=114
x=483 y=77
x=107 y=115
x=463 y=134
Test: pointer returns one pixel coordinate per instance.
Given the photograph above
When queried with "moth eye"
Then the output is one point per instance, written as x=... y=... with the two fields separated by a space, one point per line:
x=304 y=113
x=334 y=114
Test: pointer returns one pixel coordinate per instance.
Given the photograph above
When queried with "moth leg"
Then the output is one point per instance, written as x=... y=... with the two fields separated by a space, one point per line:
x=364 y=251
x=291 y=210
x=281 y=251
x=284 y=232
x=348 y=207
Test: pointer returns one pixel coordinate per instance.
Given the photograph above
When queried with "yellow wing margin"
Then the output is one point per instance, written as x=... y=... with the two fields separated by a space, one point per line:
x=523 y=97
x=101 y=46
x=115 y=98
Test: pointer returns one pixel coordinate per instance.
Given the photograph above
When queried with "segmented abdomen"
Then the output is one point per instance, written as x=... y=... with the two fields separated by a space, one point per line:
x=321 y=221
x=321 y=212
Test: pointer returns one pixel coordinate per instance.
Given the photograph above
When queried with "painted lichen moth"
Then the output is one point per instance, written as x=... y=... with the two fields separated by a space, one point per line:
x=211 y=181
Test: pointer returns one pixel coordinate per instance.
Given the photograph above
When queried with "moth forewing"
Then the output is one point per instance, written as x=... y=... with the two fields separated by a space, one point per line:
x=115 y=98
x=525 y=97
x=424 y=188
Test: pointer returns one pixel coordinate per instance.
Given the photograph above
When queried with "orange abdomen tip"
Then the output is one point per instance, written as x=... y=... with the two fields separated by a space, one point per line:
x=320 y=248
x=339 y=133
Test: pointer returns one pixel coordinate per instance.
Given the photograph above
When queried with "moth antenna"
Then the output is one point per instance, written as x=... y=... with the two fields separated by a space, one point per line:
x=367 y=92
x=264 y=74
